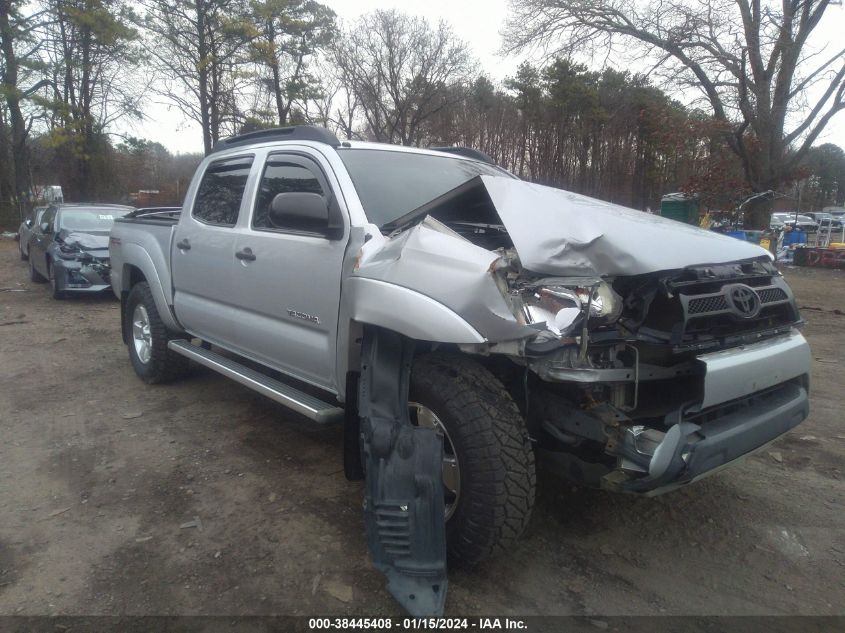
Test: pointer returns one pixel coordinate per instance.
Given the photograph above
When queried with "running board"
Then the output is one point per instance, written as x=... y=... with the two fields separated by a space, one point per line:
x=294 y=399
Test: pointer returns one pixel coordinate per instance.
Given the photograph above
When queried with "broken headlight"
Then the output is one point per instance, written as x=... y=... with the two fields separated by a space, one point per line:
x=69 y=251
x=605 y=304
x=561 y=307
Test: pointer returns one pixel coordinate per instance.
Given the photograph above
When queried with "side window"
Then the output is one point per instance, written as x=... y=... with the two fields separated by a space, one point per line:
x=284 y=175
x=221 y=190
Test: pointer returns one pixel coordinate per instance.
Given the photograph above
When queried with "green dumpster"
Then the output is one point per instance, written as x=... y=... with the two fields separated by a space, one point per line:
x=681 y=207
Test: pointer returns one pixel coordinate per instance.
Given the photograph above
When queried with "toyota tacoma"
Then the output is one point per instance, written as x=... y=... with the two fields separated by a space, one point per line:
x=463 y=325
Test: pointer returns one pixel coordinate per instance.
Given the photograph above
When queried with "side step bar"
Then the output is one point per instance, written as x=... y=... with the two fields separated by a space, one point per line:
x=303 y=403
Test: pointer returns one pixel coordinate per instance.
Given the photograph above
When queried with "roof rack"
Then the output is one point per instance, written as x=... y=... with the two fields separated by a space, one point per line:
x=466 y=152
x=292 y=133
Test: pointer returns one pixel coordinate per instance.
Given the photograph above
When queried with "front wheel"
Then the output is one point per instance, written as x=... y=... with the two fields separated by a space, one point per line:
x=148 y=338
x=488 y=461
x=55 y=290
x=34 y=275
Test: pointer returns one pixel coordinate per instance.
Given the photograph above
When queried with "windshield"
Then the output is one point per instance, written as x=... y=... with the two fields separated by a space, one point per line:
x=89 y=220
x=390 y=183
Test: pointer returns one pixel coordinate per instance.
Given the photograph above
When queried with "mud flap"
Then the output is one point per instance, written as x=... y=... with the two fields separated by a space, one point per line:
x=403 y=503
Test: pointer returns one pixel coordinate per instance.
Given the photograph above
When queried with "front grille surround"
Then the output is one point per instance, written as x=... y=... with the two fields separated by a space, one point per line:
x=716 y=303
x=710 y=316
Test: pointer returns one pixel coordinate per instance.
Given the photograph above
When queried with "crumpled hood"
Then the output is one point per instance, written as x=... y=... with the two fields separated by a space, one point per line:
x=557 y=232
x=86 y=241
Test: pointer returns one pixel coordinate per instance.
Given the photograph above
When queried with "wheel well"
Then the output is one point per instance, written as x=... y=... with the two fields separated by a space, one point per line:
x=135 y=276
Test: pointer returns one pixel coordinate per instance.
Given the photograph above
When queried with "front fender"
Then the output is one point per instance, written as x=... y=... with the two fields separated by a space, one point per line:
x=135 y=255
x=407 y=312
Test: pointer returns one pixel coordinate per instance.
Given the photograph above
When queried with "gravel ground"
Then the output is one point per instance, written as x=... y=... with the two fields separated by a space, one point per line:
x=202 y=498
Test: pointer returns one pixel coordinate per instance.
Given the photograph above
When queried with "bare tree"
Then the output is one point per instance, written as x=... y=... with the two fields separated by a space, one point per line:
x=94 y=58
x=400 y=69
x=751 y=61
x=336 y=105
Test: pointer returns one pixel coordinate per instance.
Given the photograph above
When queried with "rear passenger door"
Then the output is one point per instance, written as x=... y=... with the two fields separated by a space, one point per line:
x=203 y=252
x=287 y=277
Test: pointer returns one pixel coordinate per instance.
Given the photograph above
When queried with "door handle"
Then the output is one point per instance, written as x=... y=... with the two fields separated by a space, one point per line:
x=184 y=245
x=246 y=254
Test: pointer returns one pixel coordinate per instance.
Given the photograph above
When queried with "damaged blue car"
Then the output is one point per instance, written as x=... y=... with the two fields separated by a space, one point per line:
x=70 y=248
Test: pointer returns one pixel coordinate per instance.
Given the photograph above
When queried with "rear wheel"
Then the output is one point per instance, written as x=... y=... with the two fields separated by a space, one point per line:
x=488 y=465
x=148 y=337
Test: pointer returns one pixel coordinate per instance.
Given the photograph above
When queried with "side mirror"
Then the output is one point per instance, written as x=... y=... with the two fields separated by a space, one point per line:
x=28 y=222
x=302 y=211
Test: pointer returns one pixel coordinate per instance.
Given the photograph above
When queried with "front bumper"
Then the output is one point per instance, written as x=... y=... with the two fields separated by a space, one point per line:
x=748 y=396
x=702 y=445
x=91 y=276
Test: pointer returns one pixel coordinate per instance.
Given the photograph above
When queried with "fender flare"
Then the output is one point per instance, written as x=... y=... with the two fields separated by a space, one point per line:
x=137 y=257
x=407 y=312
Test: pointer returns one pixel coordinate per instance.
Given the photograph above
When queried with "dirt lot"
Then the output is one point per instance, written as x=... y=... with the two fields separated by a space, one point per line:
x=204 y=498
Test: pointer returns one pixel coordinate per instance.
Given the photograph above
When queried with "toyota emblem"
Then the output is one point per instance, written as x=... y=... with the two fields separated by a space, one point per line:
x=744 y=300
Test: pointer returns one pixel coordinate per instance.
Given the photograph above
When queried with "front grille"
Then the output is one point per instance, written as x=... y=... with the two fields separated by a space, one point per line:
x=711 y=304
x=771 y=295
x=716 y=303
x=702 y=315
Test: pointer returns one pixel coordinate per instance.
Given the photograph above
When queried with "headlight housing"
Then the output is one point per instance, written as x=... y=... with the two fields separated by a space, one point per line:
x=605 y=304
x=561 y=304
x=67 y=251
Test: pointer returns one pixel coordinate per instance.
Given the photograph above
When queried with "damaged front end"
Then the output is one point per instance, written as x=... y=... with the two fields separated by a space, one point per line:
x=670 y=377
x=82 y=263
x=637 y=369
x=642 y=353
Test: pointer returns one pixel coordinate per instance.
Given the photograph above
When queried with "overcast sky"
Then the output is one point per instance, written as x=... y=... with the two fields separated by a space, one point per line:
x=478 y=22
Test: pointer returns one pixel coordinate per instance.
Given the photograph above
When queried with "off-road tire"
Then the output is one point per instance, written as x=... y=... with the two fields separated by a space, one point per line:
x=34 y=275
x=164 y=364
x=494 y=453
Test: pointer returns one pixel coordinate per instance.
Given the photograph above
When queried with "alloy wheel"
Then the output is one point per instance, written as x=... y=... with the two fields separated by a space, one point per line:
x=141 y=335
x=422 y=416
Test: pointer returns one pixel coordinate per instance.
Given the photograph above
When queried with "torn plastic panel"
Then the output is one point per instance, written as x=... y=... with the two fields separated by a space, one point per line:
x=404 y=510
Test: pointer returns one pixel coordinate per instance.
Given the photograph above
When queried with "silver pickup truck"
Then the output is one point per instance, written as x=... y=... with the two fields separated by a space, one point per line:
x=462 y=325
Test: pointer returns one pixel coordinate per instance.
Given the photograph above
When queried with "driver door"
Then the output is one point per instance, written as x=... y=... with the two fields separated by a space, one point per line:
x=287 y=278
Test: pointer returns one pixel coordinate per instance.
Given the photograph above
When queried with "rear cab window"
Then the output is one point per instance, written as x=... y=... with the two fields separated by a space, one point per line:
x=221 y=190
